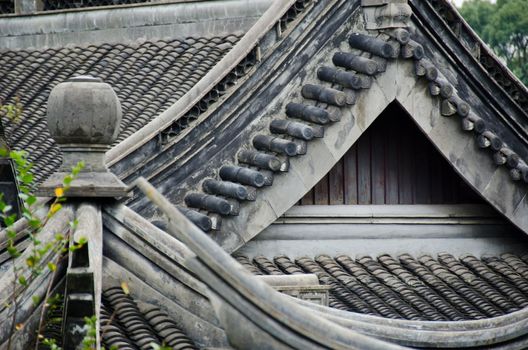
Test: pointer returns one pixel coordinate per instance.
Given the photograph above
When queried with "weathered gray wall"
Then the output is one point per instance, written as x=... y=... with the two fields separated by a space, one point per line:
x=360 y=230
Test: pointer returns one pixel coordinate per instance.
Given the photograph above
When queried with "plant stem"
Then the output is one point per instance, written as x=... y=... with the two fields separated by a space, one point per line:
x=15 y=305
x=48 y=289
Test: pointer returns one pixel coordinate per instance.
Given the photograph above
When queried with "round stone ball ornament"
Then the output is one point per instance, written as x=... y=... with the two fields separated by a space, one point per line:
x=84 y=116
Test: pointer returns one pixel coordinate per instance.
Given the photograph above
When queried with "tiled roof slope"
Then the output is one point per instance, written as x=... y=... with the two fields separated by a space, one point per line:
x=414 y=288
x=125 y=325
x=148 y=77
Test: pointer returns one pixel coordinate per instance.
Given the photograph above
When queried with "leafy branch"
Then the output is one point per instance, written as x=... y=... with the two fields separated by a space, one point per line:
x=37 y=261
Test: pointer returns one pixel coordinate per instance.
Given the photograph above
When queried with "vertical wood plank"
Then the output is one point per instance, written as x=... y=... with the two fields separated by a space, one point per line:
x=437 y=181
x=308 y=198
x=350 y=176
x=335 y=184
x=422 y=187
x=391 y=162
x=364 y=169
x=467 y=195
x=377 y=146
x=451 y=186
x=321 y=192
x=406 y=165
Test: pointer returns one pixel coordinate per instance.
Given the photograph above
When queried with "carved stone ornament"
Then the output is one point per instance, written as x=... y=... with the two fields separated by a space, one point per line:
x=84 y=115
x=385 y=14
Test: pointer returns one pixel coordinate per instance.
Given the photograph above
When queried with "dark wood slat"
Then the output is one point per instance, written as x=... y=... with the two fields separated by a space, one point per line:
x=450 y=193
x=422 y=175
x=467 y=196
x=392 y=163
x=377 y=151
x=308 y=198
x=335 y=184
x=321 y=192
x=364 y=170
x=406 y=176
x=350 y=176
x=437 y=180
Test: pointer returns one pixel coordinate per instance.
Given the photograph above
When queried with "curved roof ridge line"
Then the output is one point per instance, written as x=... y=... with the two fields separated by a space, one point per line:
x=97 y=26
x=470 y=333
x=236 y=55
x=236 y=293
x=481 y=45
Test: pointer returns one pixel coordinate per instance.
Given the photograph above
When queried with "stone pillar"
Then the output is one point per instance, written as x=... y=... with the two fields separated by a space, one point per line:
x=386 y=14
x=24 y=7
x=84 y=115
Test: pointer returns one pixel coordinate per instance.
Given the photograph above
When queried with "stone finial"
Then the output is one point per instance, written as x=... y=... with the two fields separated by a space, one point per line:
x=83 y=117
x=386 y=14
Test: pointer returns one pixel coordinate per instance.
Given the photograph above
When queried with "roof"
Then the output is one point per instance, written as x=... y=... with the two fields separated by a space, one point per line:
x=259 y=130
x=149 y=57
x=148 y=78
x=125 y=325
x=299 y=121
x=426 y=288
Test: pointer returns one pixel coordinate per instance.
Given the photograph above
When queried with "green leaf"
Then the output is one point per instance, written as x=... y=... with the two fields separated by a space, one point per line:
x=74 y=224
x=34 y=223
x=13 y=252
x=22 y=280
x=67 y=180
x=52 y=267
x=31 y=200
x=7 y=209
x=54 y=208
x=35 y=299
x=11 y=234
x=27 y=178
x=10 y=220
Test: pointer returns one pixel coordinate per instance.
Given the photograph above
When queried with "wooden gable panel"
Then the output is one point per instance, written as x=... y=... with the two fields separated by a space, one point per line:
x=391 y=163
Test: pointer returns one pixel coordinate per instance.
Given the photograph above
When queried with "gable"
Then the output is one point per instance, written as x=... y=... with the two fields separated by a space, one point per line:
x=312 y=80
x=391 y=163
